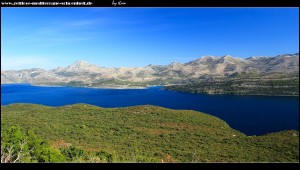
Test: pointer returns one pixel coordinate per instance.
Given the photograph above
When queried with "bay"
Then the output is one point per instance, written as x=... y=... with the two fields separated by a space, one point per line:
x=252 y=115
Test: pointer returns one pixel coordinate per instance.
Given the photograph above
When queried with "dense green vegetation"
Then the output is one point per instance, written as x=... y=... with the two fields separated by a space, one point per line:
x=243 y=86
x=86 y=133
x=26 y=147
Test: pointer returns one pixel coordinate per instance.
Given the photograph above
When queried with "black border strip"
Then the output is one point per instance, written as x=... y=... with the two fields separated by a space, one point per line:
x=153 y=3
x=164 y=166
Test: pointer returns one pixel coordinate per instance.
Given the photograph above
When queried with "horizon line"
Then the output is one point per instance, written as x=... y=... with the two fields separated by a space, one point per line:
x=174 y=61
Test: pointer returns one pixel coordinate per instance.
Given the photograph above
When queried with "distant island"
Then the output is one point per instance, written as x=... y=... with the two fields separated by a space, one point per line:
x=87 y=133
x=275 y=76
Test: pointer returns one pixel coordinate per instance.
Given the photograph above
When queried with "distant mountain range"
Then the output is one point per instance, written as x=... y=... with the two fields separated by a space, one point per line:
x=84 y=74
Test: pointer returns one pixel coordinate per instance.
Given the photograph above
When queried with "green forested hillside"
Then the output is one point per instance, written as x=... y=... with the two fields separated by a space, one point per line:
x=147 y=134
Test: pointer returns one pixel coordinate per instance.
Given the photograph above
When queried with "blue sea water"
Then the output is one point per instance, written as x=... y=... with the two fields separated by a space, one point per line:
x=252 y=115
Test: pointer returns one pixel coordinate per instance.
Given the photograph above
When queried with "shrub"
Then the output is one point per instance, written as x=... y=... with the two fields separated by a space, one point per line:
x=26 y=147
x=73 y=152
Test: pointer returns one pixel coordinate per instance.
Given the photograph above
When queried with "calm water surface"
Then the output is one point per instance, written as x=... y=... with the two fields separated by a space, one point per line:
x=252 y=115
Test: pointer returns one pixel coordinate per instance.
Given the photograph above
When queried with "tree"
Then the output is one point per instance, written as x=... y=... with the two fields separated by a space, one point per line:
x=26 y=147
x=13 y=145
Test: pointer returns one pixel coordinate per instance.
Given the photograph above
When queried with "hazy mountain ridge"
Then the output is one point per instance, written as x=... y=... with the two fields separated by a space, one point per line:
x=206 y=66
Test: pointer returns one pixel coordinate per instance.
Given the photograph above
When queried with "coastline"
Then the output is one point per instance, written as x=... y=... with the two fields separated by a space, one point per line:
x=124 y=87
x=99 y=87
x=119 y=87
x=234 y=94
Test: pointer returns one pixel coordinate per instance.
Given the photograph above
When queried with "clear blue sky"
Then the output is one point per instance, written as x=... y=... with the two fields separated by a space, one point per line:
x=130 y=37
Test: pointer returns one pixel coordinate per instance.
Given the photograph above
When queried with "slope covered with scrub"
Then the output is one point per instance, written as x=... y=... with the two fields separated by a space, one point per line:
x=149 y=133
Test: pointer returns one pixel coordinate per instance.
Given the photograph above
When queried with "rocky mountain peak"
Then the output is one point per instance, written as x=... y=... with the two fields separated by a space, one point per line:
x=227 y=56
x=206 y=65
x=80 y=63
x=207 y=58
x=201 y=60
x=174 y=63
